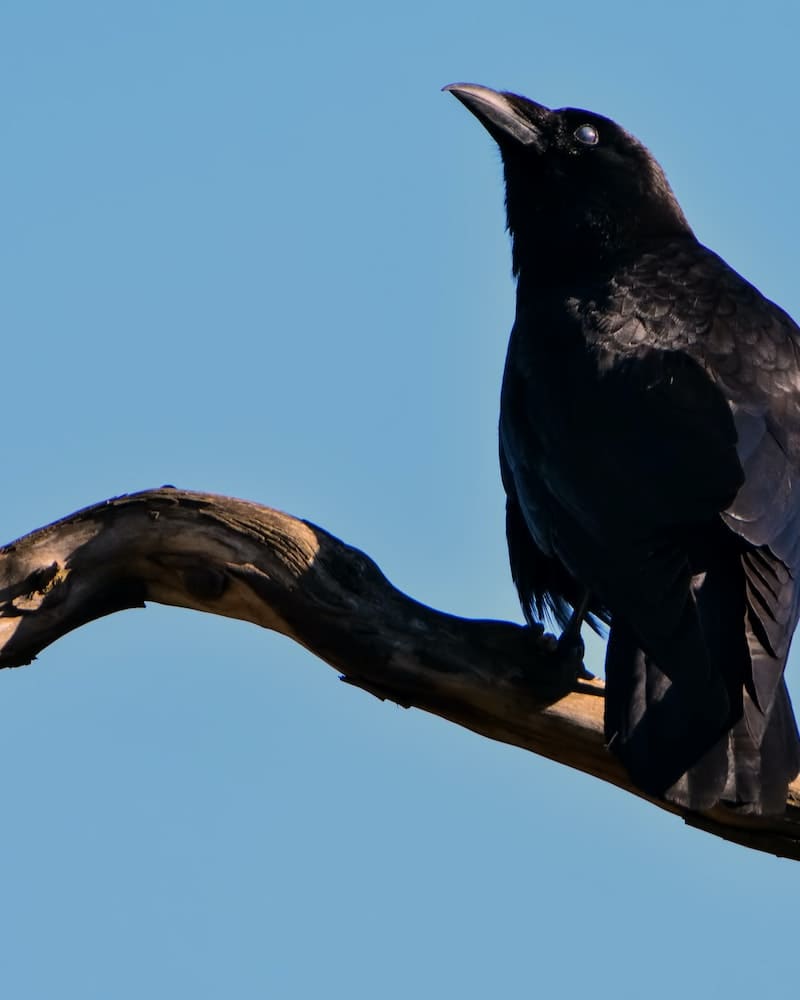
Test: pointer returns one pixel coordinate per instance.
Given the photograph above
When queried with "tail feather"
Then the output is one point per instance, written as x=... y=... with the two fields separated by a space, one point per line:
x=677 y=748
x=761 y=772
x=668 y=738
x=747 y=776
x=703 y=715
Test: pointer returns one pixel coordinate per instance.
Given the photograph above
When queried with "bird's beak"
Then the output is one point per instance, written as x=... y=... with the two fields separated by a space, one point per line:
x=506 y=117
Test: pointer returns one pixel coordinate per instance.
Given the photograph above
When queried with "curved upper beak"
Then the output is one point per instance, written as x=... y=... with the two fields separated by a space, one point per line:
x=505 y=116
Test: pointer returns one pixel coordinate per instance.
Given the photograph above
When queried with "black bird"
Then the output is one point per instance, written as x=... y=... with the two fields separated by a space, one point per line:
x=650 y=453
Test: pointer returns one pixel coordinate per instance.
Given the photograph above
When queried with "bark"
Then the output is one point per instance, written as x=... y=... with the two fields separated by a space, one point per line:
x=239 y=559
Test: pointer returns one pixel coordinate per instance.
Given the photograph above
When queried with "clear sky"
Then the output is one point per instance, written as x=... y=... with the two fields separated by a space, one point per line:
x=250 y=248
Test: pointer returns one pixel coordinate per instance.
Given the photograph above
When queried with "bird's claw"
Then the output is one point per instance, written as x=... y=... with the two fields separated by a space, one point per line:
x=564 y=666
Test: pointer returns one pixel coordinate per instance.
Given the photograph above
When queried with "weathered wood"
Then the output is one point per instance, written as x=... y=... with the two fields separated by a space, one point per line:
x=239 y=559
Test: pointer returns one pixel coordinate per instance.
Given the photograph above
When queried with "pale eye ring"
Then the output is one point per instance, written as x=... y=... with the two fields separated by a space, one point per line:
x=587 y=134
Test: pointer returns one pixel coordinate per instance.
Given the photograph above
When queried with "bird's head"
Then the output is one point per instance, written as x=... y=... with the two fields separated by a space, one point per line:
x=580 y=190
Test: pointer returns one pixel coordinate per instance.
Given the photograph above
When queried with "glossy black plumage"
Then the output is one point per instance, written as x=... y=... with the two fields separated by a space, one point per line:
x=650 y=453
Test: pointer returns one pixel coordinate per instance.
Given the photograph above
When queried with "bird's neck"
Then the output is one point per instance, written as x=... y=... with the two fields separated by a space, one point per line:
x=536 y=262
x=563 y=263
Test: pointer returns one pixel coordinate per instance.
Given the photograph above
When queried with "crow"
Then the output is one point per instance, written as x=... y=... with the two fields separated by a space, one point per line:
x=650 y=454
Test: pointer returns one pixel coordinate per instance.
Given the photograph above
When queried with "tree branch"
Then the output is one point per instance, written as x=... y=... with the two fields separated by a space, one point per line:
x=239 y=559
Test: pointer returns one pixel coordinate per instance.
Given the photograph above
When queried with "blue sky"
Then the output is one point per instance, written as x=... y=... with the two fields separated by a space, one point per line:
x=252 y=249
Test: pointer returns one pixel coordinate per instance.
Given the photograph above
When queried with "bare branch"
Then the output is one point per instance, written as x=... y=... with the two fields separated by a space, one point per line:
x=239 y=559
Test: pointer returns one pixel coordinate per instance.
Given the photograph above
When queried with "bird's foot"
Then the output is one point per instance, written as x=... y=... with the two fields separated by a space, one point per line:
x=570 y=646
x=563 y=666
x=570 y=651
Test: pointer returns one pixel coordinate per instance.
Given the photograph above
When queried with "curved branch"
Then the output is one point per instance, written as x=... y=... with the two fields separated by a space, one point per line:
x=239 y=559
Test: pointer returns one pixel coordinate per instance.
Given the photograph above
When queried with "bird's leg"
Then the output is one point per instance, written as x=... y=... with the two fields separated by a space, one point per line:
x=565 y=664
x=570 y=645
x=557 y=673
x=571 y=636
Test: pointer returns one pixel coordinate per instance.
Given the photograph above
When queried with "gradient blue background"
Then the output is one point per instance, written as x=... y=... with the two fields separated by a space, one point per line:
x=250 y=248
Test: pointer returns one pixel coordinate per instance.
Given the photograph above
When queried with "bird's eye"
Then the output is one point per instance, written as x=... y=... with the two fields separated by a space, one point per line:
x=587 y=134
